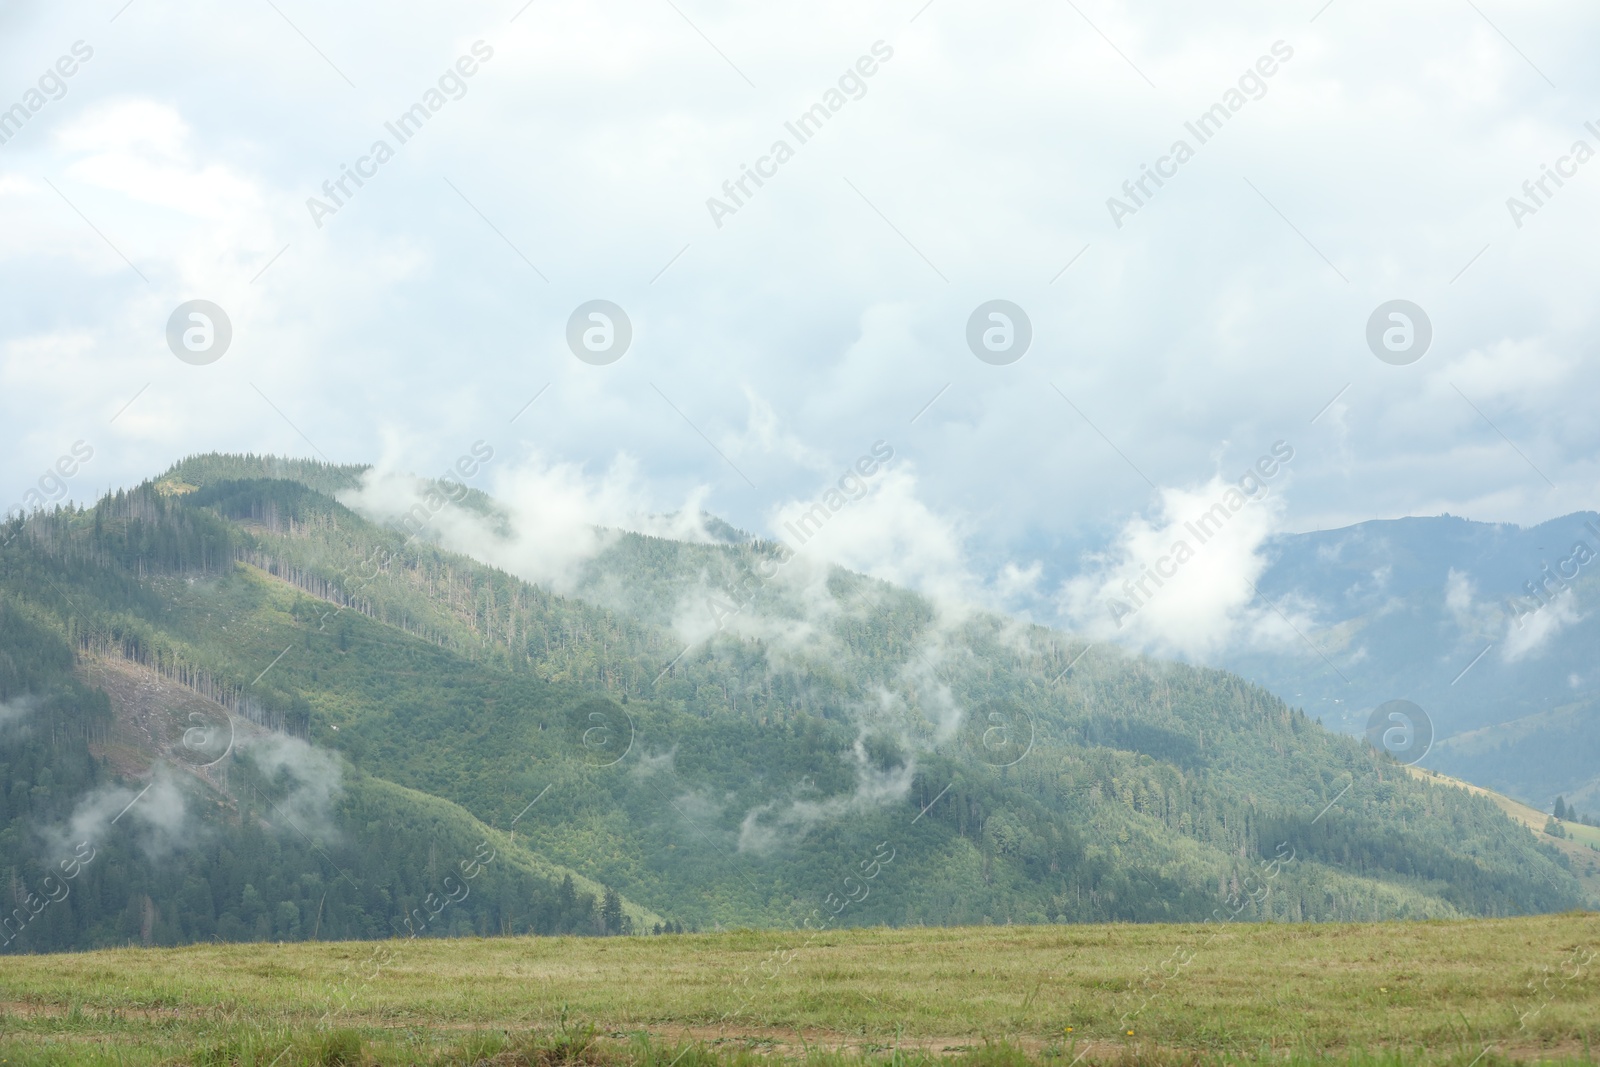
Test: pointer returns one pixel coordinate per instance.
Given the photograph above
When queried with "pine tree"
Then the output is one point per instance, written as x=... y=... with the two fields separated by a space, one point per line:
x=611 y=912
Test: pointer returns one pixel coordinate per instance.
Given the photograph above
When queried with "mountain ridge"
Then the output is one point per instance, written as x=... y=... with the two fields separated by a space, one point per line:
x=1472 y=621
x=986 y=769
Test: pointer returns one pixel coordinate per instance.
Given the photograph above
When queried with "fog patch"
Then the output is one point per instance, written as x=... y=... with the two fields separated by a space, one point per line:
x=651 y=764
x=1530 y=635
x=13 y=712
x=772 y=825
x=155 y=816
x=306 y=780
x=549 y=519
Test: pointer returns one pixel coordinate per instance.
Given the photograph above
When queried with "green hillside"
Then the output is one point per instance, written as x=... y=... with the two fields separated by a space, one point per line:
x=109 y=842
x=843 y=752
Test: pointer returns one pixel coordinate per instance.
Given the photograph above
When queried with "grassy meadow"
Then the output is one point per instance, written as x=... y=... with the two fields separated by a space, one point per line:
x=1485 y=992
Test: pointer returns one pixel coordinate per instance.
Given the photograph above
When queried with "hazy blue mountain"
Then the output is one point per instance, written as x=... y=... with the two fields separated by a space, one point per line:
x=1472 y=621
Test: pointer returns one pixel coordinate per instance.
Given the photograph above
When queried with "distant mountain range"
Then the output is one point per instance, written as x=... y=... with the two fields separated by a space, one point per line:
x=1492 y=629
x=317 y=719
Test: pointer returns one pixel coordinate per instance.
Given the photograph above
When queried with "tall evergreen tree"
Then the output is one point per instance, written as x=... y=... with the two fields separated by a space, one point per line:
x=611 y=911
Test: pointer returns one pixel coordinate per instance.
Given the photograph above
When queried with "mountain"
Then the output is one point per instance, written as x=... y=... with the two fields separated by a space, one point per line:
x=331 y=712
x=229 y=830
x=1491 y=629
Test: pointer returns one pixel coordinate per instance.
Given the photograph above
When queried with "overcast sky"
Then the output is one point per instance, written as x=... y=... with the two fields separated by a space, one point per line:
x=1175 y=338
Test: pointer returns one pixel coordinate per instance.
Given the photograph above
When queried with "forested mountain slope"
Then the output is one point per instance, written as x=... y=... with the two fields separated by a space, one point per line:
x=838 y=751
x=137 y=810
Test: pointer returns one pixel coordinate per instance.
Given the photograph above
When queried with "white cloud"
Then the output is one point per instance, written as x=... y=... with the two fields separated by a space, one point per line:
x=141 y=149
x=554 y=517
x=765 y=436
x=1019 y=582
x=156 y=814
x=816 y=317
x=1459 y=592
x=1183 y=581
x=1528 y=635
x=886 y=531
x=15 y=711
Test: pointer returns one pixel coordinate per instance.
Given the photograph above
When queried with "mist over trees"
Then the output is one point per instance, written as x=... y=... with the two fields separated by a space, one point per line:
x=758 y=781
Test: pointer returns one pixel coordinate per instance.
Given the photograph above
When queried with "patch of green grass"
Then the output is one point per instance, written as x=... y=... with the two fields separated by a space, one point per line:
x=1582 y=833
x=1365 y=995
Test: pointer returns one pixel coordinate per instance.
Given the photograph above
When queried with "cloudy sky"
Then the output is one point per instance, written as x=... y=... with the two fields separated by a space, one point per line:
x=1175 y=337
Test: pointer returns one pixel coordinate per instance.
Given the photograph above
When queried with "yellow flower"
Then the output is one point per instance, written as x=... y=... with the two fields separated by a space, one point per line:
x=1130 y=1033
